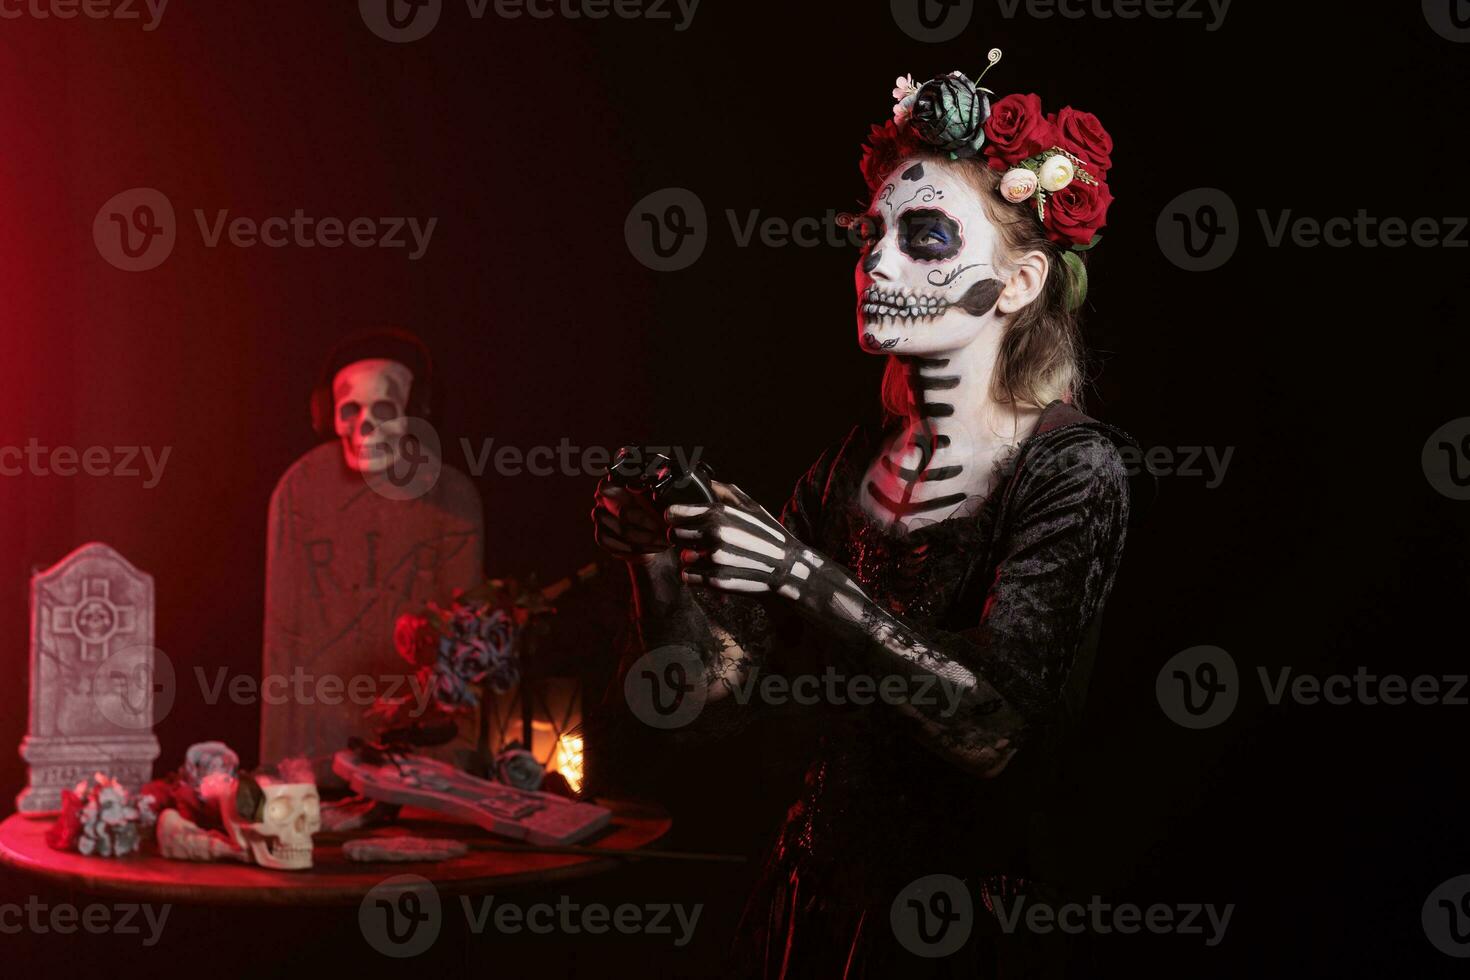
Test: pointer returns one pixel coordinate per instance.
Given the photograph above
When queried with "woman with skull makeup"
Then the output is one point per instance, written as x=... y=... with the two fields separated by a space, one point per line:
x=961 y=554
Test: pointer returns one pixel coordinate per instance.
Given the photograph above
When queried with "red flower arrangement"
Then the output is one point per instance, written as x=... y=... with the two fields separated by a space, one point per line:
x=1071 y=195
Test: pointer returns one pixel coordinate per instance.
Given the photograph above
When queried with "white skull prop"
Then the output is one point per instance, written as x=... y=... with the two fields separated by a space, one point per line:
x=926 y=281
x=368 y=401
x=274 y=822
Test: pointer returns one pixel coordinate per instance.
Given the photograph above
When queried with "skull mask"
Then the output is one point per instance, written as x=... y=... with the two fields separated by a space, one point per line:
x=368 y=402
x=927 y=281
x=274 y=822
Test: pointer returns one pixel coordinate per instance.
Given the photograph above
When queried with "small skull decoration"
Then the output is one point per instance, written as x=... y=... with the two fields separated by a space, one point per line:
x=368 y=402
x=273 y=821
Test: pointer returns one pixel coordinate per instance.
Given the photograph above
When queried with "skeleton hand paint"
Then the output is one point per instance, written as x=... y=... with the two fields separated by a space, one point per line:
x=926 y=280
x=737 y=546
x=368 y=412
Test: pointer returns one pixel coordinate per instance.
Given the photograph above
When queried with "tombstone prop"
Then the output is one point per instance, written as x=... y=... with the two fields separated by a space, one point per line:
x=360 y=530
x=94 y=676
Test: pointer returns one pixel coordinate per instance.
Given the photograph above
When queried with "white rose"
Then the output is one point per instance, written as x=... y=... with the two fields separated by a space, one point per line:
x=1056 y=173
x=1017 y=185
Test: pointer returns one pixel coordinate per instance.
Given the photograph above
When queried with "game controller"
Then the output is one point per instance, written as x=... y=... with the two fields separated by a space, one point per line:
x=666 y=480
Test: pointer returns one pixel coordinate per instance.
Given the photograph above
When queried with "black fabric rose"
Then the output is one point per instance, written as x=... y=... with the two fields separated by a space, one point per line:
x=949 y=113
x=515 y=766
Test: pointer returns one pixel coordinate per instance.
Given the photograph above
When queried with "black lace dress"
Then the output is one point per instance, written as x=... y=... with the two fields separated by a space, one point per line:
x=1015 y=592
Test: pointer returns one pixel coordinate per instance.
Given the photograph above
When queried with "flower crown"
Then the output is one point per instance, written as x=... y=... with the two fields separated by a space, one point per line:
x=1058 y=162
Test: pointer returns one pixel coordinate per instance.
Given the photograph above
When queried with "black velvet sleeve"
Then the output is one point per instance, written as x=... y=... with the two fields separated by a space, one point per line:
x=1063 y=538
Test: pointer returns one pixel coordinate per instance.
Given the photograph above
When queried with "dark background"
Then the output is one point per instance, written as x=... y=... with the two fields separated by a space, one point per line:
x=1326 y=369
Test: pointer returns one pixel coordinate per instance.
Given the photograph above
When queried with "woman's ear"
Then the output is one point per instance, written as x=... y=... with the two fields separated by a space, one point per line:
x=1026 y=283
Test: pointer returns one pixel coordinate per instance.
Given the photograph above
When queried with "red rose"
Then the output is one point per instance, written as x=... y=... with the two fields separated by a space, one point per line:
x=416 y=640
x=67 y=830
x=1076 y=212
x=1016 y=130
x=1081 y=133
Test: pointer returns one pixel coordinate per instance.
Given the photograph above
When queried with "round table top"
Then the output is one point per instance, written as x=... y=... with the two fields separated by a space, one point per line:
x=492 y=862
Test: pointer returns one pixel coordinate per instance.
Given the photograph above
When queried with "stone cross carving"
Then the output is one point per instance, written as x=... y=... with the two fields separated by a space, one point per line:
x=94 y=677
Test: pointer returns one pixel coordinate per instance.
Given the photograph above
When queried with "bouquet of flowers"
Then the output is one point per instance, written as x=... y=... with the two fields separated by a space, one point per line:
x=99 y=816
x=464 y=649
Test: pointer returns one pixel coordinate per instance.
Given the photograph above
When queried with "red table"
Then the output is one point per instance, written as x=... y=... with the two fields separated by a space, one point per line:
x=492 y=862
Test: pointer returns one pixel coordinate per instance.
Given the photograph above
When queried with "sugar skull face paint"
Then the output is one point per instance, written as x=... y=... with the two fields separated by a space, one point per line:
x=926 y=281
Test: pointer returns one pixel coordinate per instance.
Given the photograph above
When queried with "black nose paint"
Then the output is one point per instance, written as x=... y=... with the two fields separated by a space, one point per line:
x=980 y=298
x=871 y=262
x=916 y=172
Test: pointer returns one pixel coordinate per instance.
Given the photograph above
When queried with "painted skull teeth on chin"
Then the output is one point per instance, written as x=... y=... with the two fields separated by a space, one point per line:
x=895 y=304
